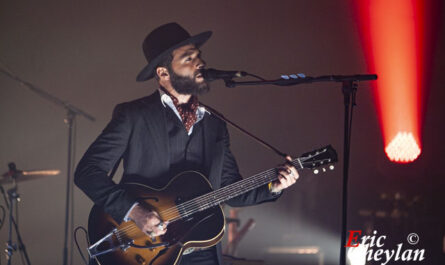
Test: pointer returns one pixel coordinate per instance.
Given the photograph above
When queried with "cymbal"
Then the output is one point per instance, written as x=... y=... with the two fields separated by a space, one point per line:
x=25 y=175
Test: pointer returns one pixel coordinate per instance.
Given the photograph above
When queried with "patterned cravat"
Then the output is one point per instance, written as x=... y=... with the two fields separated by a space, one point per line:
x=187 y=111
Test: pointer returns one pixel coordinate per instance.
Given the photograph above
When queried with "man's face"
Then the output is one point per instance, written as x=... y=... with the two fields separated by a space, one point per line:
x=185 y=71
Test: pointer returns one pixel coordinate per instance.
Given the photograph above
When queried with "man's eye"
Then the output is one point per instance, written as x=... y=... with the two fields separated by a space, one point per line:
x=188 y=59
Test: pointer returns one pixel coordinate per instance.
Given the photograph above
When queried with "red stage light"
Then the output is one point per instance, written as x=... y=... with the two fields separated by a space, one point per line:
x=403 y=148
x=393 y=38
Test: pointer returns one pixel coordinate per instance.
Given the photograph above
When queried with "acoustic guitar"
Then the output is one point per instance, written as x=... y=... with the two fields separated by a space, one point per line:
x=192 y=209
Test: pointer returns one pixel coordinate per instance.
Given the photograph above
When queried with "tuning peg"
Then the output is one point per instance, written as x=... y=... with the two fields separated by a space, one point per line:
x=324 y=169
x=293 y=76
x=316 y=171
x=331 y=167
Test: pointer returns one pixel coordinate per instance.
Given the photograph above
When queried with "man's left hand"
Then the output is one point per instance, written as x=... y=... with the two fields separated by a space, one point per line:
x=287 y=176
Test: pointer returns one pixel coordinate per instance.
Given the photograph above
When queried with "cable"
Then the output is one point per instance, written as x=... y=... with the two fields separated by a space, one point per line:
x=256 y=76
x=77 y=243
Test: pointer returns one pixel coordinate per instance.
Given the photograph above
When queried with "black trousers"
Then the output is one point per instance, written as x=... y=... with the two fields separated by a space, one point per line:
x=202 y=257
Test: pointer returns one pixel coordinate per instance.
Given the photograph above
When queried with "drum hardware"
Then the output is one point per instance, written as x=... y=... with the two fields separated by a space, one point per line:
x=13 y=176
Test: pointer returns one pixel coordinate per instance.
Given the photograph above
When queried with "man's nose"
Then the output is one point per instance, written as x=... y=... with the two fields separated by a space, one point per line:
x=200 y=64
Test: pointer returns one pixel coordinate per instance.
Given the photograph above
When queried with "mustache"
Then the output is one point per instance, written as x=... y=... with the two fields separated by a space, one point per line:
x=198 y=72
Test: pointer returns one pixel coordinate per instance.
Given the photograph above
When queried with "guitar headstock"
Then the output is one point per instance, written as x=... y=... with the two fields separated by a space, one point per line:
x=320 y=159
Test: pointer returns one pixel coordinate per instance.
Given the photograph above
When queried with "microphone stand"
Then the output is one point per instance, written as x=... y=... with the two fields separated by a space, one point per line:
x=302 y=80
x=349 y=89
x=71 y=114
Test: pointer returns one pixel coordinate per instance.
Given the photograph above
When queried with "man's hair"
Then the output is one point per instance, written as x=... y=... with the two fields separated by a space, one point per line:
x=166 y=62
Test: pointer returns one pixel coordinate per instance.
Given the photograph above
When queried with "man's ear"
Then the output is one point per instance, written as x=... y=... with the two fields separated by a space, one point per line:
x=162 y=73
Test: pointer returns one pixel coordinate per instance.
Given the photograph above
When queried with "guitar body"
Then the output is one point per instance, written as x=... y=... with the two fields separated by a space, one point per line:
x=201 y=229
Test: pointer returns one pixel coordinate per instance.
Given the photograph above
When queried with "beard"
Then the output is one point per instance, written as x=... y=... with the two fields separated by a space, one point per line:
x=188 y=86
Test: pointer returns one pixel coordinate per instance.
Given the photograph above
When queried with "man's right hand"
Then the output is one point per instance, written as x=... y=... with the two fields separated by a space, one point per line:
x=148 y=221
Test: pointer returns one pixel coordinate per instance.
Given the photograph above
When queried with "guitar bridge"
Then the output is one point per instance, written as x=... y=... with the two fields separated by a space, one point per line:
x=111 y=242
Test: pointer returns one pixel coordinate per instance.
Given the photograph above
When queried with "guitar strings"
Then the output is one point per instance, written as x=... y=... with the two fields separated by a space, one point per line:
x=248 y=183
x=226 y=192
x=205 y=202
x=186 y=206
x=189 y=207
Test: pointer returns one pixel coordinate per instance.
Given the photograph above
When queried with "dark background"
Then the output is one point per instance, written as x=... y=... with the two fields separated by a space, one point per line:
x=89 y=53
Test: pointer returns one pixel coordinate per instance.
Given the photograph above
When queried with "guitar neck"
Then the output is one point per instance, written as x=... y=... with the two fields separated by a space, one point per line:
x=228 y=192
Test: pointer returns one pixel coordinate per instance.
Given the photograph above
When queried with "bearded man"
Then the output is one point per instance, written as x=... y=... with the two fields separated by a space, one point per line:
x=163 y=134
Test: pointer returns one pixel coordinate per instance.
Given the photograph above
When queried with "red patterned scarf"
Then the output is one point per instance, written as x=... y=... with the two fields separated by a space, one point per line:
x=187 y=111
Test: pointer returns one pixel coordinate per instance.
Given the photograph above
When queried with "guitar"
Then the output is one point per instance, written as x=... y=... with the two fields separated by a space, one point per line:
x=192 y=209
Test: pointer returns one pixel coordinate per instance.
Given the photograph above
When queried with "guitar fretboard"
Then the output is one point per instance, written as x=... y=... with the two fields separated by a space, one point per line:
x=228 y=192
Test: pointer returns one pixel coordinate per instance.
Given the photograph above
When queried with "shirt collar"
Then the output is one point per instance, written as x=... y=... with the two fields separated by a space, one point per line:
x=167 y=100
x=164 y=97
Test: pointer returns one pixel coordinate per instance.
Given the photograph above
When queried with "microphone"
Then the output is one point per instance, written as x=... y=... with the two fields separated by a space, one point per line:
x=211 y=74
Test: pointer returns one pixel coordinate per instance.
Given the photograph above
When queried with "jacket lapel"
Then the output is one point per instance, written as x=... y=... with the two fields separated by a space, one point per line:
x=154 y=116
x=211 y=149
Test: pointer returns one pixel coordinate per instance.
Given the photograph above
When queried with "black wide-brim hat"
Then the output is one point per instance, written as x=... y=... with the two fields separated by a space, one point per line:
x=162 y=41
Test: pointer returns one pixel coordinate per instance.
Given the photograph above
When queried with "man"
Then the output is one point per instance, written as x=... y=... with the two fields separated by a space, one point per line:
x=163 y=134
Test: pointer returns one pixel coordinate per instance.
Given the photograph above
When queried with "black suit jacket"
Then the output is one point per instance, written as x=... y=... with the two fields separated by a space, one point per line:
x=137 y=133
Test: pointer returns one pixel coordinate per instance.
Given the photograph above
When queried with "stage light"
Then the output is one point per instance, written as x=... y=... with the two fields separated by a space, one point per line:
x=357 y=255
x=393 y=38
x=403 y=148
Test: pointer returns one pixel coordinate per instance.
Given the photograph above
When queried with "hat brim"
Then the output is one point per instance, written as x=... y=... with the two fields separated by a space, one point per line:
x=148 y=72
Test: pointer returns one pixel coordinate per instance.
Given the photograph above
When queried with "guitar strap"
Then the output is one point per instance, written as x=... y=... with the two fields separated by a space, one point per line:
x=260 y=141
